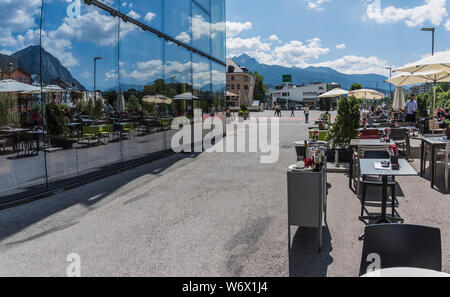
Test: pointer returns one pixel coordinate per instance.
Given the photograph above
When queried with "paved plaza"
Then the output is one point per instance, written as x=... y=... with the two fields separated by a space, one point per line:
x=209 y=214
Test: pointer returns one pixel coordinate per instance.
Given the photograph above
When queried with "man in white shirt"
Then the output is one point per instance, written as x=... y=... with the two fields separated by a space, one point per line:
x=411 y=109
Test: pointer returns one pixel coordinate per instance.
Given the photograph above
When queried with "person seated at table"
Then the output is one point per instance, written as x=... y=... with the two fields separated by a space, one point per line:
x=439 y=113
x=37 y=119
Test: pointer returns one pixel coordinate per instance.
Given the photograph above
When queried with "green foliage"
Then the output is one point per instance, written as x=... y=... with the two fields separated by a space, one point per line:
x=356 y=86
x=244 y=107
x=347 y=123
x=260 y=88
x=4 y=110
x=149 y=107
x=422 y=107
x=56 y=124
x=98 y=110
x=445 y=86
x=90 y=107
x=133 y=103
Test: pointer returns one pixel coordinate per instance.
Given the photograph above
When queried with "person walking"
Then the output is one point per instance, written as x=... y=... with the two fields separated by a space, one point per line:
x=276 y=111
x=307 y=114
x=411 y=110
x=293 y=111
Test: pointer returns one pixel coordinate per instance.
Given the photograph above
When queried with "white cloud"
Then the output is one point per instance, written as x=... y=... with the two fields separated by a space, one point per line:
x=296 y=53
x=134 y=15
x=433 y=11
x=447 y=25
x=356 y=65
x=274 y=38
x=317 y=4
x=149 y=16
x=234 y=28
x=341 y=46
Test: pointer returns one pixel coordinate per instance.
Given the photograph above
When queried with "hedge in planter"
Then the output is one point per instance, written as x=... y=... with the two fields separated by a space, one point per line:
x=347 y=122
x=56 y=126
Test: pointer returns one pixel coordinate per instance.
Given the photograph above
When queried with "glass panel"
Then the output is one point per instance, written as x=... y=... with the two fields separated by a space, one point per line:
x=177 y=19
x=147 y=12
x=201 y=29
x=204 y=4
x=79 y=133
x=142 y=82
x=178 y=77
x=202 y=81
x=21 y=126
x=218 y=29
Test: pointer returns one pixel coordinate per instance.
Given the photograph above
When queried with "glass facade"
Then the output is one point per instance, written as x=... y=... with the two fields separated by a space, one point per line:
x=109 y=78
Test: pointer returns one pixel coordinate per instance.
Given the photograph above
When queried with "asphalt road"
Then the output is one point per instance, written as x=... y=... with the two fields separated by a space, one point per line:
x=212 y=214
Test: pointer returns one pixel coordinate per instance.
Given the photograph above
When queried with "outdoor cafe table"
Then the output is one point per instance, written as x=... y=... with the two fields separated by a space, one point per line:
x=367 y=167
x=355 y=143
x=406 y=272
x=433 y=142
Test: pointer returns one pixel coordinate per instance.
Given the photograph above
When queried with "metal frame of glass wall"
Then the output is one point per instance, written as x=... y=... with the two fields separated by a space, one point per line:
x=114 y=74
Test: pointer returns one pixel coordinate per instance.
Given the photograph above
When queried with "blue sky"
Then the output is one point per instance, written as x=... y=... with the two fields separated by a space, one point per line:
x=352 y=36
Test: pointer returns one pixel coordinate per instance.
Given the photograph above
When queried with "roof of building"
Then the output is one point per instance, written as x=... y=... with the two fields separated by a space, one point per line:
x=237 y=68
x=7 y=71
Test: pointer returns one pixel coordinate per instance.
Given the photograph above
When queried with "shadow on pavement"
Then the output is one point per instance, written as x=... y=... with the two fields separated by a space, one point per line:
x=16 y=219
x=305 y=259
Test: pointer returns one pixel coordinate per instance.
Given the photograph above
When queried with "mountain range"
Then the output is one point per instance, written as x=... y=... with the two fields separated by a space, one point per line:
x=28 y=59
x=273 y=75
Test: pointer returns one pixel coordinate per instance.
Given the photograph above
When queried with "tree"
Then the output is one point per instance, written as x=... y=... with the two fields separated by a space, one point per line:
x=355 y=86
x=98 y=110
x=260 y=88
x=445 y=86
x=3 y=110
x=346 y=124
x=133 y=103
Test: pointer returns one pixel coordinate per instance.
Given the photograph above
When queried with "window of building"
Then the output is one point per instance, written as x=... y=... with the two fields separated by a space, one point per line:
x=238 y=78
x=238 y=87
x=245 y=87
x=232 y=78
x=232 y=87
x=245 y=78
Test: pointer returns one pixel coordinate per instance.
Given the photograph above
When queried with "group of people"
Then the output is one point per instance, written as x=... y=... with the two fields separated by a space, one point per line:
x=278 y=110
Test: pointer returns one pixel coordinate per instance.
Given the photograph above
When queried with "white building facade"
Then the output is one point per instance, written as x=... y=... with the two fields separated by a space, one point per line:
x=304 y=95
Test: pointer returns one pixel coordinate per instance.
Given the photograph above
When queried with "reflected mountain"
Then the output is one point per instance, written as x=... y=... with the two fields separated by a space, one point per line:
x=52 y=69
x=273 y=74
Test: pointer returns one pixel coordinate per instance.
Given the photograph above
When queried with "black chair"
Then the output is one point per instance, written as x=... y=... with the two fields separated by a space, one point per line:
x=377 y=181
x=401 y=138
x=400 y=245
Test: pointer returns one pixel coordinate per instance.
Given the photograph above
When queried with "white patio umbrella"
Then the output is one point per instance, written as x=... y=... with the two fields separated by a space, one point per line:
x=366 y=94
x=399 y=99
x=439 y=62
x=9 y=86
x=157 y=99
x=434 y=76
x=185 y=96
x=334 y=93
x=120 y=102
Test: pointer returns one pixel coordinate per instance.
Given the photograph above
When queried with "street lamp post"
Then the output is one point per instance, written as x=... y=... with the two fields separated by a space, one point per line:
x=95 y=76
x=390 y=85
x=432 y=30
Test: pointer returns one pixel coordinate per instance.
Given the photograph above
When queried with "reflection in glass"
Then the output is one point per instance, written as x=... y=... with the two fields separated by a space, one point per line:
x=201 y=75
x=145 y=11
x=218 y=29
x=142 y=83
x=201 y=29
x=78 y=131
x=177 y=19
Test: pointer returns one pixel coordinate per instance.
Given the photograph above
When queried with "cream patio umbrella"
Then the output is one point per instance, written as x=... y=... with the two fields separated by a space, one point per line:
x=185 y=96
x=120 y=102
x=366 y=94
x=399 y=99
x=438 y=62
x=334 y=93
x=433 y=76
x=157 y=99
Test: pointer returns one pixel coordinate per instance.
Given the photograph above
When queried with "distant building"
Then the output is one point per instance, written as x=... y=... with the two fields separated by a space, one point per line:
x=304 y=94
x=334 y=85
x=17 y=74
x=424 y=88
x=240 y=84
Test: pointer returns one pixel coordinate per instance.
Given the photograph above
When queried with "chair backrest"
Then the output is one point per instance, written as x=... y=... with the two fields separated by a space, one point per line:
x=399 y=133
x=362 y=149
x=376 y=154
x=434 y=124
x=400 y=245
x=300 y=150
